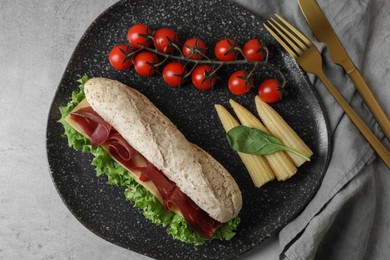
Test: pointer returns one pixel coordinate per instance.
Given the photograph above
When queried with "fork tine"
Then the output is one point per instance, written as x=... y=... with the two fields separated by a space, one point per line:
x=290 y=36
x=281 y=42
x=292 y=28
x=286 y=36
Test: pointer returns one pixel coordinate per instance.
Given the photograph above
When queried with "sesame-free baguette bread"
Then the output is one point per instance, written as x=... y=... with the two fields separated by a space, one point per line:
x=153 y=135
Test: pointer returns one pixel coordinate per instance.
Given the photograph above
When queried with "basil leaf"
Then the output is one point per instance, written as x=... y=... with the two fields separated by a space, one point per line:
x=253 y=141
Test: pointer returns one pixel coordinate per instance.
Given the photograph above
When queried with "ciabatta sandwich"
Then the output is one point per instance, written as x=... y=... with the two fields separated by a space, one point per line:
x=185 y=178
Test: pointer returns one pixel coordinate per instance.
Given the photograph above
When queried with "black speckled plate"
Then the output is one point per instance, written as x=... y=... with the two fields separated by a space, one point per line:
x=102 y=208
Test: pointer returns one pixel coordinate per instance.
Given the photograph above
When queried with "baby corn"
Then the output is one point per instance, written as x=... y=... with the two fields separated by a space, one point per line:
x=257 y=166
x=281 y=130
x=281 y=165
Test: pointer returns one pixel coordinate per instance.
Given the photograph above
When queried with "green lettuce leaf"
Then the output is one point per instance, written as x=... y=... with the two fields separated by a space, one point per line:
x=116 y=175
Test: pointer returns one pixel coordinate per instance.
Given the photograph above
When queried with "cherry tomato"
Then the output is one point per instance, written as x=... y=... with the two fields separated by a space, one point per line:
x=192 y=47
x=173 y=73
x=200 y=77
x=143 y=63
x=269 y=91
x=163 y=37
x=224 y=50
x=119 y=57
x=136 y=35
x=237 y=83
x=253 y=50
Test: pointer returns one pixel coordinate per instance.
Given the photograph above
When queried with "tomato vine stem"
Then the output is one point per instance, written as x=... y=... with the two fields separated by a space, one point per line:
x=217 y=64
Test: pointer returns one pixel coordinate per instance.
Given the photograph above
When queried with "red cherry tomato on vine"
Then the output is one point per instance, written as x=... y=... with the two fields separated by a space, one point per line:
x=143 y=63
x=253 y=50
x=269 y=91
x=192 y=47
x=119 y=57
x=237 y=83
x=201 y=77
x=224 y=50
x=163 y=37
x=136 y=35
x=173 y=73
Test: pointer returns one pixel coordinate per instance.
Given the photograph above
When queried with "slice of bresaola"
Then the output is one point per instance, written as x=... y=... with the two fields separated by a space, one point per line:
x=101 y=133
x=185 y=178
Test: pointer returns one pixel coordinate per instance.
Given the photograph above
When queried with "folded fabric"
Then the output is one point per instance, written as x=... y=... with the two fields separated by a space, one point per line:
x=339 y=223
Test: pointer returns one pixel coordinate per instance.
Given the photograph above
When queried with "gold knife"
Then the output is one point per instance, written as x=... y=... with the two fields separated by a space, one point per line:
x=325 y=33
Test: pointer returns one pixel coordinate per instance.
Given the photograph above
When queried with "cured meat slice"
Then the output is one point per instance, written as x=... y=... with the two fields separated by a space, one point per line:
x=93 y=125
x=101 y=133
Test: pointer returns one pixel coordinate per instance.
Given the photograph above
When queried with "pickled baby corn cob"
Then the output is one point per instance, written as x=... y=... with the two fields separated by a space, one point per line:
x=280 y=163
x=281 y=130
x=257 y=166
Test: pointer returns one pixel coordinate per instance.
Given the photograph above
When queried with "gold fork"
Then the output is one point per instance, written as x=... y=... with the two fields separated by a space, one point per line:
x=309 y=58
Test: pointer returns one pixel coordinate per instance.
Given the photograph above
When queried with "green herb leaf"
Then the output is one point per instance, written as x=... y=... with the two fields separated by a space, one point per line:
x=253 y=141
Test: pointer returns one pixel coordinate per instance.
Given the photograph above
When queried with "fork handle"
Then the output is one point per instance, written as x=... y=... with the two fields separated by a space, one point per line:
x=379 y=148
x=371 y=102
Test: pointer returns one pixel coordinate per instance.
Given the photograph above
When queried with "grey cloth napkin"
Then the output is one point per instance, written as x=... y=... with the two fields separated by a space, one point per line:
x=349 y=216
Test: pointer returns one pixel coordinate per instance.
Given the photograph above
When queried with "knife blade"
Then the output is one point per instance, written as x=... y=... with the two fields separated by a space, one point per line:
x=322 y=29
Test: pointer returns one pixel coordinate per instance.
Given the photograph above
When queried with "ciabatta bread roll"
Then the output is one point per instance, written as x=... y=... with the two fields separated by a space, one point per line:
x=154 y=136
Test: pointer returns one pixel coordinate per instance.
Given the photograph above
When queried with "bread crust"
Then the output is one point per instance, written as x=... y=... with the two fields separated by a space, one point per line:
x=151 y=133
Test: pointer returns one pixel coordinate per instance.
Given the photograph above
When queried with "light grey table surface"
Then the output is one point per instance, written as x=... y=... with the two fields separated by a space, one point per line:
x=37 y=39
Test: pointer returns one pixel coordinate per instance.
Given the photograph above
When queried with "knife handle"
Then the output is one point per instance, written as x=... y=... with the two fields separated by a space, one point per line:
x=371 y=102
x=379 y=148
